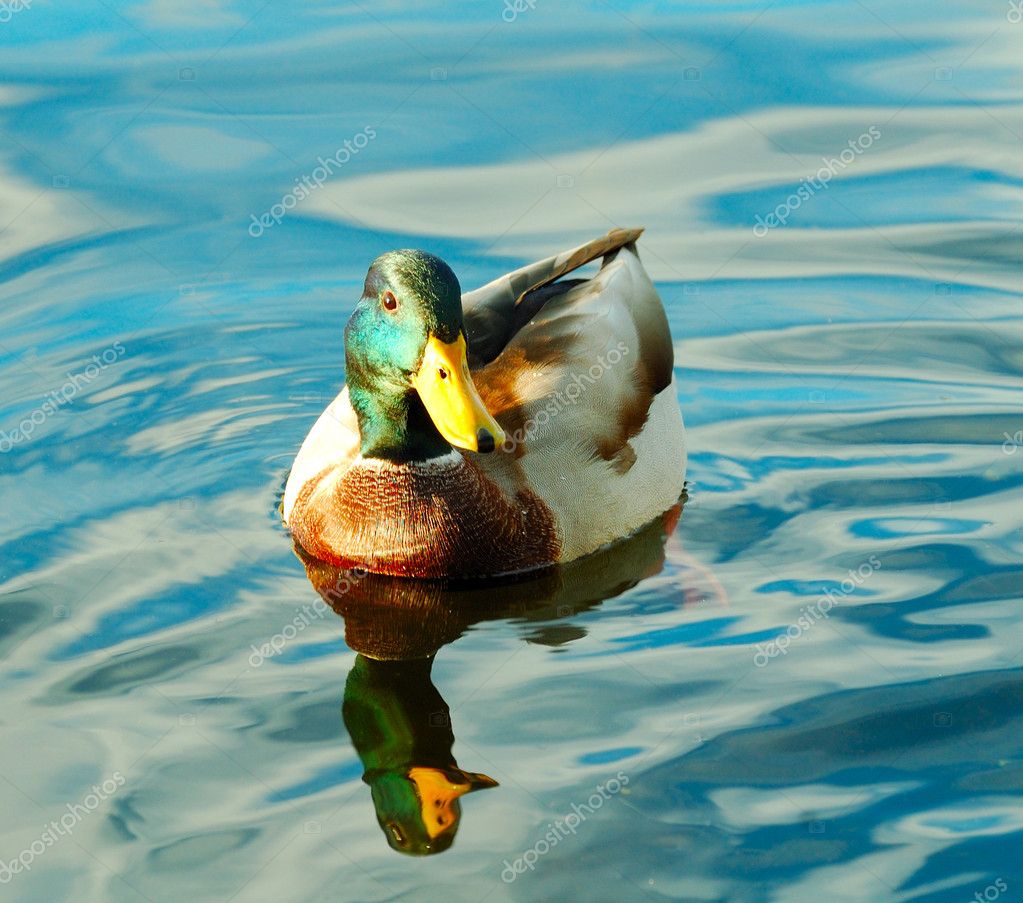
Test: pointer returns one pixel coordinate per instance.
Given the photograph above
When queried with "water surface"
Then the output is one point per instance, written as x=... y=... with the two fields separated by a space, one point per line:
x=811 y=684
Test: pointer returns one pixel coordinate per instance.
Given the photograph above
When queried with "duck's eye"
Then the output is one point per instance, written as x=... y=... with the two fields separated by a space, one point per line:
x=389 y=301
x=442 y=373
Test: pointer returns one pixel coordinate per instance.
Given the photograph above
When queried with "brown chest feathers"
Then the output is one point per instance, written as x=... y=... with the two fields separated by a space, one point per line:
x=439 y=519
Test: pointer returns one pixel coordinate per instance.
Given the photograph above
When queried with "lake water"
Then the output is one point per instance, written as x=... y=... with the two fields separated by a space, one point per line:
x=811 y=686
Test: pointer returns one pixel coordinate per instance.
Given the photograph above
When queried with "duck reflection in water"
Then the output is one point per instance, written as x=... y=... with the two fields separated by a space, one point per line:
x=401 y=729
x=399 y=724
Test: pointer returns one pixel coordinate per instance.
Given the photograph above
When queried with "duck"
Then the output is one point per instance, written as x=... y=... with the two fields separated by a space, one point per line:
x=520 y=426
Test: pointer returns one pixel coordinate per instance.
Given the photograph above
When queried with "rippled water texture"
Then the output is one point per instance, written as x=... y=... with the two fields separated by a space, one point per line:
x=811 y=687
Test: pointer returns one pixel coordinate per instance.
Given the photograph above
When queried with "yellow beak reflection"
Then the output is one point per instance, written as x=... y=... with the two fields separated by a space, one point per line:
x=446 y=388
x=438 y=793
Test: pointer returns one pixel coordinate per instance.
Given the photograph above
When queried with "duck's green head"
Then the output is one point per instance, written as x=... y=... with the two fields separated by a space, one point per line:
x=405 y=356
x=418 y=809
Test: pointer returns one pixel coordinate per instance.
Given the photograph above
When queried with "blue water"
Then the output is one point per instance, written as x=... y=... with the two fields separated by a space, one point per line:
x=813 y=686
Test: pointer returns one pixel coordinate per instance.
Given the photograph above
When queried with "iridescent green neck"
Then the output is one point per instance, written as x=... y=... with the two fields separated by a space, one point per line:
x=393 y=423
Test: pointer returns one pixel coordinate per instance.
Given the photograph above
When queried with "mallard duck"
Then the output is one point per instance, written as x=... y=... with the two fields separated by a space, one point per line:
x=522 y=425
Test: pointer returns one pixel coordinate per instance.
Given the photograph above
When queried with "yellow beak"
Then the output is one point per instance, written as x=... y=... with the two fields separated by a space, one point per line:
x=437 y=795
x=446 y=388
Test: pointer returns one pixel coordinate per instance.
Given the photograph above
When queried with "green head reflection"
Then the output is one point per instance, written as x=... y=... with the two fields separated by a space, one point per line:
x=401 y=729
